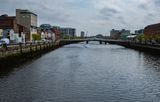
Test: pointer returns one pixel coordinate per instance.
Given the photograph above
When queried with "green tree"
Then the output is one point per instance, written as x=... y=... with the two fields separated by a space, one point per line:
x=36 y=37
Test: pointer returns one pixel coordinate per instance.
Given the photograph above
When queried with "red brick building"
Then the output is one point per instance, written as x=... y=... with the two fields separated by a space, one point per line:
x=56 y=31
x=152 y=29
x=10 y=22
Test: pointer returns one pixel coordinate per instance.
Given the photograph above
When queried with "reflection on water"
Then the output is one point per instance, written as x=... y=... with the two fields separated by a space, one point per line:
x=85 y=73
x=152 y=62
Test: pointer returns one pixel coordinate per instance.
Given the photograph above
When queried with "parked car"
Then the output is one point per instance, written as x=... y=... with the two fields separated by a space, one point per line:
x=5 y=41
x=2 y=42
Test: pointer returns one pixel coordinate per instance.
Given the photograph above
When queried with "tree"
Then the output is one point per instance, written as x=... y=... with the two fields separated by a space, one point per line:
x=36 y=37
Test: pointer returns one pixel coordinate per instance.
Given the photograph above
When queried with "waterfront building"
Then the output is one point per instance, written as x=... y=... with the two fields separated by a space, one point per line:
x=68 y=32
x=82 y=34
x=124 y=33
x=47 y=31
x=9 y=23
x=45 y=27
x=119 y=34
x=153 y=29
x=6 y=24
x=139 y=32
x=114 y=34
x=56 y=31
x=27 y=19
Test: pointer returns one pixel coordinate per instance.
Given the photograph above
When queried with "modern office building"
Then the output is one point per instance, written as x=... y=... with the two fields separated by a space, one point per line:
x=82 y=34
x=140 y=31
x=114 y=34
x=124 y=34
x=70 y=32
x=28 y=20
x=119 y=34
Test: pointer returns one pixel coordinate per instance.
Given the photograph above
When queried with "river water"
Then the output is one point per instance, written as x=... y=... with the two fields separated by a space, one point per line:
x=85 y=73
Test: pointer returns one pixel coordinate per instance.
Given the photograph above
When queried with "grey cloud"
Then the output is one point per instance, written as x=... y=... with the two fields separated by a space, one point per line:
x=157 y=2
x=142 y=6
x=83 y=14
x=44 y=11
x=121 y=20
x=108 y=13
x=109 y=10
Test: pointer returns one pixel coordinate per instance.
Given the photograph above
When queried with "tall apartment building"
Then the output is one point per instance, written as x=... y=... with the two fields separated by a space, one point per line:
x=71 y=32
x=82 y=34
x=28 y=20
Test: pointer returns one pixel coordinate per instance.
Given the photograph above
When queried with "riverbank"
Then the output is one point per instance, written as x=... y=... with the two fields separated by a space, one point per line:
x=141 y=47
x=17 y=55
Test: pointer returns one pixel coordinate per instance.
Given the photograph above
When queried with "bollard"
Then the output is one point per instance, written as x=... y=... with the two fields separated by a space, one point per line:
x=30 y=47
x=20 y=46
x=100 y=42
x=87 y=42
x=36 y=48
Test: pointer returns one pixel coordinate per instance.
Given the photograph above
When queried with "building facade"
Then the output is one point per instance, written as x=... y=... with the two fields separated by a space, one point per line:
x=56 y=31
x=48 y=30
x=124 y=33
x=28 y=20
x=119 y=34
x=138 y=32
x=68 y=32
x=152 y=30
x=45 y=27
x=114 y=34
x=9 y=24
x=82 y=34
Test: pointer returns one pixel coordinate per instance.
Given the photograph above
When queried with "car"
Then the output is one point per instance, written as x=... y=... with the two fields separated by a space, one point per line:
x=2 y=42
x=5 y=40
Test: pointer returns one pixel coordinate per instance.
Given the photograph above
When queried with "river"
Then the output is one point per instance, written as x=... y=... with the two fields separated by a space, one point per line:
x=85 y=73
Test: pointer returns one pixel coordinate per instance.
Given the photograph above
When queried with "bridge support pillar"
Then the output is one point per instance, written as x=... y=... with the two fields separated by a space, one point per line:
x=87 y=42
x=100 y=42
x=105 y=42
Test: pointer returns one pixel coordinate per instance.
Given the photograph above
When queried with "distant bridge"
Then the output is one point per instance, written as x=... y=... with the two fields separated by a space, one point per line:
x=101 y=41
x=127 y=44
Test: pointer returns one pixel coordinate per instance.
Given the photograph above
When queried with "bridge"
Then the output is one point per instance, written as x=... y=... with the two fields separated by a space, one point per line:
x=128 y=44
x=101 y=41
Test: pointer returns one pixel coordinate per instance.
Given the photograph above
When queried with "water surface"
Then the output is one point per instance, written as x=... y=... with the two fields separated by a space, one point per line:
x=85 y=73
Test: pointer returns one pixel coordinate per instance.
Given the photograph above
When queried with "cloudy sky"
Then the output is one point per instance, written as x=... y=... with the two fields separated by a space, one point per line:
x=94 y=16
